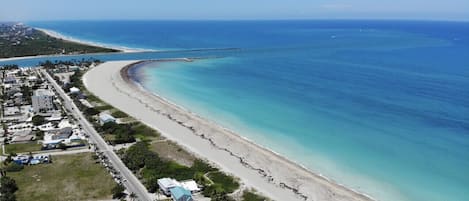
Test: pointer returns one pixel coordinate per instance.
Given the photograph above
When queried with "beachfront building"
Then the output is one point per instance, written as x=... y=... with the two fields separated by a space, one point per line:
x=106 y=118
x=178 y=190
x=190 y=185
x=43 y=101
x=74 y=90
x=180 y=194
x=166 y=184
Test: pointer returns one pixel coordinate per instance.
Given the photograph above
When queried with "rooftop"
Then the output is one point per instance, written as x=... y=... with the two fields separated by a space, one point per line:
x=190 y=185
x=23 y=138
x=43 y=92
x=179 y=193
x=106 y=117
x=167 y=182
x=74 y=90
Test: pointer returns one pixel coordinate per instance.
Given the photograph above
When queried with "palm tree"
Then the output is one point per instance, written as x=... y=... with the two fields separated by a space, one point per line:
x=133 y=196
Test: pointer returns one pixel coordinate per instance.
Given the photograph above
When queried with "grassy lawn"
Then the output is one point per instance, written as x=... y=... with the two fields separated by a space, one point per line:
x=22 y=148
x=69 y=177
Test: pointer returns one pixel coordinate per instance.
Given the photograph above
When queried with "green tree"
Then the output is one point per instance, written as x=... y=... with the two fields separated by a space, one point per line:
x=152 y=184
x=40 y=135
x=133 y=196
x=5 y=129
x=38 y=120
x=62 y=146
x=7 y=185
x=118 y=191
x=8 y=197
x=9 y=159
x=91 y=111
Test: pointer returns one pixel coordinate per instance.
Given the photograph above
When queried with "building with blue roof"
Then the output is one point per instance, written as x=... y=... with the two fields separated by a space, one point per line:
x=180 y=194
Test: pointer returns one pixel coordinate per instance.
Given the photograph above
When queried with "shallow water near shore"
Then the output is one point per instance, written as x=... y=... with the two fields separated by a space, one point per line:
x=381 y=107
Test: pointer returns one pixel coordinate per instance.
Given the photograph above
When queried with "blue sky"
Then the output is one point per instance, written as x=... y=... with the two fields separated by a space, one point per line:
x=27 y=10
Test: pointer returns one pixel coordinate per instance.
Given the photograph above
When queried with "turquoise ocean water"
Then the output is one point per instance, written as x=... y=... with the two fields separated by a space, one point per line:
x=379 y=106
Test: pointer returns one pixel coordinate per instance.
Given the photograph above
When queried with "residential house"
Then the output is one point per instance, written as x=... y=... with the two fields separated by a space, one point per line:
x=166 y=184
x=106 y=118
x=180 y=194
x=74 y=90
x=190 y=185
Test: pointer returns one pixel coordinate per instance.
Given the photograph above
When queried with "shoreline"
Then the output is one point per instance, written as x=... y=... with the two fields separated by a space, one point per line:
x=125 y=73
x=58 y=35
x=276 y=176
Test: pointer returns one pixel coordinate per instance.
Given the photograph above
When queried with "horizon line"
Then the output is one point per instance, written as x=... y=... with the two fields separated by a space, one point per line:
x=235 y=19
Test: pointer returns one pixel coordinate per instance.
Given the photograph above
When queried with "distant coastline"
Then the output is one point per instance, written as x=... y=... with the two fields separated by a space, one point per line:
x=83 y=42
x=57 y=35
x=21 y=41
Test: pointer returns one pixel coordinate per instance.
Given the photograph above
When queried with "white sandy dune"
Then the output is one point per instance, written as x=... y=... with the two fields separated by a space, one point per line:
x=270 y=174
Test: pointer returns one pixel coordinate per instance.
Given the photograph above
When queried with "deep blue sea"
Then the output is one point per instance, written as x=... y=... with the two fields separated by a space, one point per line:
x=379 y=106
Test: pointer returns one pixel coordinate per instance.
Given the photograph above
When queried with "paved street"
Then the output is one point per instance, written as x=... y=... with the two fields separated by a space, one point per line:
x=132 y=183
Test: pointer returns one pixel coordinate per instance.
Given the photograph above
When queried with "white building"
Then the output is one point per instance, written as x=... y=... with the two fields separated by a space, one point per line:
x=74 y=90
x=190 y=185
x=105 y=118
x=166 y=184
x=32 y=78
x=43 y=100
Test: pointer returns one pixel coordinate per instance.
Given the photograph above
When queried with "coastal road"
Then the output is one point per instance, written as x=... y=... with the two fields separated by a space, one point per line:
x=132 y=184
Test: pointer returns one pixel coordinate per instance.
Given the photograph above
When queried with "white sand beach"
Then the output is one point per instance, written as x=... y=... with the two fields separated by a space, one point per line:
x=257 y=167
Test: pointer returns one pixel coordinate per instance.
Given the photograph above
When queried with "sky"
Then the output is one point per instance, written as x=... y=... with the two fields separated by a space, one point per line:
x=37 y=10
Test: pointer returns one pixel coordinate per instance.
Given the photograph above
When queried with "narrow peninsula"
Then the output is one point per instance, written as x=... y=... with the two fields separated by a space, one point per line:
x=19 y=40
